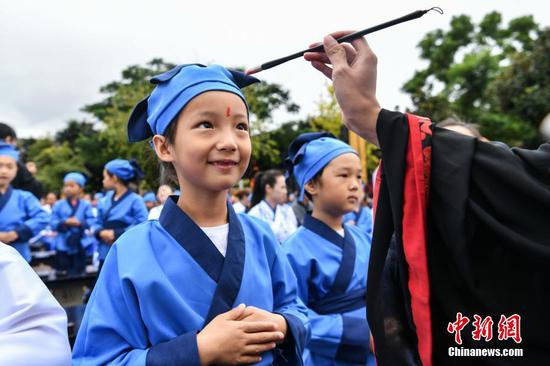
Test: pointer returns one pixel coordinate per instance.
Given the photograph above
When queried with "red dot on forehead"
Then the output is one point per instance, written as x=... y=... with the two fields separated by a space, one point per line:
x=228 y=112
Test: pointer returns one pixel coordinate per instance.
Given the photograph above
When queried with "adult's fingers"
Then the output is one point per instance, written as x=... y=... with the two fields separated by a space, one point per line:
x=351 y=54
x=335 y=52
x=336 y=34
x=327 y=71
x=363 y=49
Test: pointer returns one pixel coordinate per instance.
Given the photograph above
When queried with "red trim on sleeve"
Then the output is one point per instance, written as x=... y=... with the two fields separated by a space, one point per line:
x=414 y=234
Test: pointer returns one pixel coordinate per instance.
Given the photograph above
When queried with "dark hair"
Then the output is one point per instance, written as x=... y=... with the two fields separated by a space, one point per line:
x=262 y=179
x=168 y=173
x=132 y=183
x=241 y=193
x=452 y=121
x=316 y=178
x=6 y=131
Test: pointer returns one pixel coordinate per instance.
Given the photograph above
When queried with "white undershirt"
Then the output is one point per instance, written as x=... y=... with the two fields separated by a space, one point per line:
x=218 y=236
x=341 y=232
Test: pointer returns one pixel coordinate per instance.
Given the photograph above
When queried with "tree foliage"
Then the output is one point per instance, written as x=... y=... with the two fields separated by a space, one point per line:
x=470 y=69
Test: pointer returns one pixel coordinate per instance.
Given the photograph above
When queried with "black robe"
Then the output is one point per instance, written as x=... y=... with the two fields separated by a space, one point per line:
x=461 y=226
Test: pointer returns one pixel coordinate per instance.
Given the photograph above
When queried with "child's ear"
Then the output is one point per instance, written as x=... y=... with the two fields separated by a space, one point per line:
x=312 y=187
x=162 y=149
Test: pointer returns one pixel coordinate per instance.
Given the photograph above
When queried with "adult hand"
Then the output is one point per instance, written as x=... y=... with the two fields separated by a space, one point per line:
x=352 y=69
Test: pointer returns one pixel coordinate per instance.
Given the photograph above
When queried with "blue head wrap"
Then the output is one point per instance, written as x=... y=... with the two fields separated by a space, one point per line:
x=149 y=197
x=310 y=152
x=9 y=150
x=124 y=169
x=78 y=178
x=174 y=89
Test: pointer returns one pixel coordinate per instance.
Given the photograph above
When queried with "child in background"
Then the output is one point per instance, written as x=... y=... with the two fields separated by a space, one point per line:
x=21 y=216
x=243 y=202
x=361 y=216
x=329 y=259
x=163 y=193
x=71 y=217
x=120 y=208
x=150 y=201
x=170 y=289
x=269 y=198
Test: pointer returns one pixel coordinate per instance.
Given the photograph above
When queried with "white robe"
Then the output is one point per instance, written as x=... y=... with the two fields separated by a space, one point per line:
x=282 y=220
x=33 y=326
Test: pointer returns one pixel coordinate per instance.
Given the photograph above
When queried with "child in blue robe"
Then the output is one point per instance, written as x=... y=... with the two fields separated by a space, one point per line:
x=71 y=217
x=201 y=285
x=361 y=216
x=120 y=208
x=330 y=259
x=21 y=217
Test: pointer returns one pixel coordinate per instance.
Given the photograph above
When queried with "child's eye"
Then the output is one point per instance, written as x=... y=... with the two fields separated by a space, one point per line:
x=343 y=175
x=204 y=124
x=242 y=126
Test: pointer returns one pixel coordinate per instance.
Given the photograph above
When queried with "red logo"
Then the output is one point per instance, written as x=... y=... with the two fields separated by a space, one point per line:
x=483 y=329
x=457 y=327
x=508 y=328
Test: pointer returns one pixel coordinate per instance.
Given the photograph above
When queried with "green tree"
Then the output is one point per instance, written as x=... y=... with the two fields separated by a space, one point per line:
x=329 y=118
x=54 y=162
x=522 y=90
x=463 y=64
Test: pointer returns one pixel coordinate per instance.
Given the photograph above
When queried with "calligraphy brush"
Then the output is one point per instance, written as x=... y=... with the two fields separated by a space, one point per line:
x=414 y=15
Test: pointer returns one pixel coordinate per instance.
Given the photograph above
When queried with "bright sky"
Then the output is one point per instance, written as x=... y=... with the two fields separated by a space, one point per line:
x=56 y=54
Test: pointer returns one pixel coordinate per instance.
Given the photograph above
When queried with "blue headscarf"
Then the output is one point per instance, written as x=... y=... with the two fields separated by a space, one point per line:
x=177 y=87
x=76 y=177
x=310 y=152
x=124 y=169
x=9 y=150
x=149 y=197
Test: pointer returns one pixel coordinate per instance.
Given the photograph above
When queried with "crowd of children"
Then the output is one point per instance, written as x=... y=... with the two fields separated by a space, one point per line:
x=201 y=253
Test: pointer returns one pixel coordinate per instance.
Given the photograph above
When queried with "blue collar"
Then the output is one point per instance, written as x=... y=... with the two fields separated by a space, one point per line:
x=268 y=205
x=228 y=271
x=4 y=198
x=323 y=230
x=347 y=244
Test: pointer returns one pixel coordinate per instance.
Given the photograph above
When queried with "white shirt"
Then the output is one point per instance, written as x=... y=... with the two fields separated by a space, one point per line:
x=283 y=222
x=218 y=235
x=154 y=214
x=239 y=207
x=33 y=326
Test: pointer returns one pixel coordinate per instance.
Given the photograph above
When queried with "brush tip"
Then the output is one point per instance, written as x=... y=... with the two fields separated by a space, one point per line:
x=253 y=70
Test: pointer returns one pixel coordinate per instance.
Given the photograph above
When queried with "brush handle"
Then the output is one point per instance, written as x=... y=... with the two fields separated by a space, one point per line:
x=349 y=37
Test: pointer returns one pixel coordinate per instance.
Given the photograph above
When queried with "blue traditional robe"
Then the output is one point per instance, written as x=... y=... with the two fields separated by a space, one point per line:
x=361 y=219
x=164 y=280
x=21 y=211
x=120 y=215
x=332 y=280
x=71 y=239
